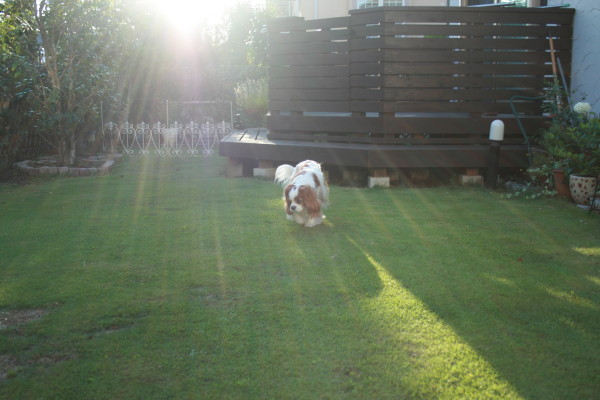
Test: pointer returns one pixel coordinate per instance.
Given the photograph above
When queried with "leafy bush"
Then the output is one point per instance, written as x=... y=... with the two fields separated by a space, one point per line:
x=251 y=97
x=575 y=148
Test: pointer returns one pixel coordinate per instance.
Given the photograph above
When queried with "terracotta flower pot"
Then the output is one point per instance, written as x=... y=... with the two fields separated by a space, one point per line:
x=582 y=188
x=560 y=183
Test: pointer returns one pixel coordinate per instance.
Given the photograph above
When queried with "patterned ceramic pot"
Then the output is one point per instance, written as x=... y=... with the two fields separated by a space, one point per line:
x=582 y=188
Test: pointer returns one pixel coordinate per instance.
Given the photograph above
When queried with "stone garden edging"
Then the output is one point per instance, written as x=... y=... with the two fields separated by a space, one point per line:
x=30 y=167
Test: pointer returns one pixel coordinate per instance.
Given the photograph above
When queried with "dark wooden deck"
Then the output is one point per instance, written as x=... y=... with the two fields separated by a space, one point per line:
x=406 y=87
x=254 y=144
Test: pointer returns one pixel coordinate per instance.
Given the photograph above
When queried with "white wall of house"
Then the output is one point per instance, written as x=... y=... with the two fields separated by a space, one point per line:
x=313 y=9
x=585 y=70
x=426 y=3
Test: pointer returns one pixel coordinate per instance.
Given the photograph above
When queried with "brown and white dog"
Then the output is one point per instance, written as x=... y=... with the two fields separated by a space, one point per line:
x=305 y=192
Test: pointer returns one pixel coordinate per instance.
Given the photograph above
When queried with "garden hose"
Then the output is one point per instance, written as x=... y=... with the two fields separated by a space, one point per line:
x=520 y=124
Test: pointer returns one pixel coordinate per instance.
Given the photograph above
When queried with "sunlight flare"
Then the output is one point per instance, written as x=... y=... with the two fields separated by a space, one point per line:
x=594 y=279
x=571 y=297
x=500 y=280
x=185 y=16
x=588 y=251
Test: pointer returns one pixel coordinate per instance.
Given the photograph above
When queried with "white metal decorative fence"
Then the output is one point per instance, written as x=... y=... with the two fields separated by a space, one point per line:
x=176 y=139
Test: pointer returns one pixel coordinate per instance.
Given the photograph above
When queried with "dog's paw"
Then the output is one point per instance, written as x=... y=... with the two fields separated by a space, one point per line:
x=299 y=219
x=313 y=222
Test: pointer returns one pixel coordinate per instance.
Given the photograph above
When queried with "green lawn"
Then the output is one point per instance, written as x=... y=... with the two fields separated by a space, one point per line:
x=165 y=280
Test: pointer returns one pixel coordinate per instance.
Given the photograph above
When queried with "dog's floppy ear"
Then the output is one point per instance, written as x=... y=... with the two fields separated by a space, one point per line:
x=286 y=198
x=286 y=191
x=310 y=200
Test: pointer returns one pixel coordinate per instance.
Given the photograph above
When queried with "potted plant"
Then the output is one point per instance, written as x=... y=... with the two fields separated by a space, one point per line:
x=560 y=180
x=555 y=157
x=585 y=159
x=573 y=142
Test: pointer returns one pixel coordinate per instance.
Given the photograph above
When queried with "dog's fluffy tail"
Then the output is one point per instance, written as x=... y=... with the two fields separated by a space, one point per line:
x=283 y=174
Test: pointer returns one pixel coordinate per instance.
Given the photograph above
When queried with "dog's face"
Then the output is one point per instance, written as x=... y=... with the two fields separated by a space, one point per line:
x=301 y=198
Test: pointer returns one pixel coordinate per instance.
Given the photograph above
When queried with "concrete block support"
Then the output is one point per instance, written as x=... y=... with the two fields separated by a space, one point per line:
x=378 y=177
x=265 y=169
x=264 y=172
x=378 y=181
x=471 y=177
x=471 y=180
x=234 y=169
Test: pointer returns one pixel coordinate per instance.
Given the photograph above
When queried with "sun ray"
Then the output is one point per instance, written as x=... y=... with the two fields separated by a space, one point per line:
x=185 y=17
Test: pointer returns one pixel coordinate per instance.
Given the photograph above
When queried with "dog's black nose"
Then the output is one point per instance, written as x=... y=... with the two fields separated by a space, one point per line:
x=293 y=208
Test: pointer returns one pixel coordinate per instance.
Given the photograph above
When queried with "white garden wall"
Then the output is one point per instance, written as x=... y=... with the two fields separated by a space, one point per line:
x=585 y=72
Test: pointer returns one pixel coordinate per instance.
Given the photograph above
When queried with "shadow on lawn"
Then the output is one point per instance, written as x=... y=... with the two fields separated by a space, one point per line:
x=535 y=320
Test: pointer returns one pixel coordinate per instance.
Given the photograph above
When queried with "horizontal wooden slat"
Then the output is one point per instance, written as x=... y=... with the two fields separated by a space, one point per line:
x=388 y=139
x=418 y=125
x=478 y=107
x=366 y=81
x=444 y=94
x=309 y=71
x=310 y=105
x=467 y=69
x=453 y=55
x=327 y=23
x=308 y=37
x=447 y=86
x=529 y=108
x=368 y=68
x=309 y=94
x=391 y=42
x=440 y=81
x=450 y=126
x=464 y=29
x=373 y=94
x=309 y=83
x=364 y=106
x=451 y=69
x=299 y=24
x=325 y=124
x=310 y=59
x=309 y=48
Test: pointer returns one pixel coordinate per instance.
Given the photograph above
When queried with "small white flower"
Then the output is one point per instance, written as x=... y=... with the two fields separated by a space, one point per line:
x=582 y=108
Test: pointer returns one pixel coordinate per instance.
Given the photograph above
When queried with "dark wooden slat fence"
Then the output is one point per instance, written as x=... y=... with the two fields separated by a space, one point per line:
x=413 y=75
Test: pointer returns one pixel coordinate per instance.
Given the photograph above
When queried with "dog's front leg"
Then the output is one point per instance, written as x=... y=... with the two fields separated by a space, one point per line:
x=299 y=218
x=313 y=221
